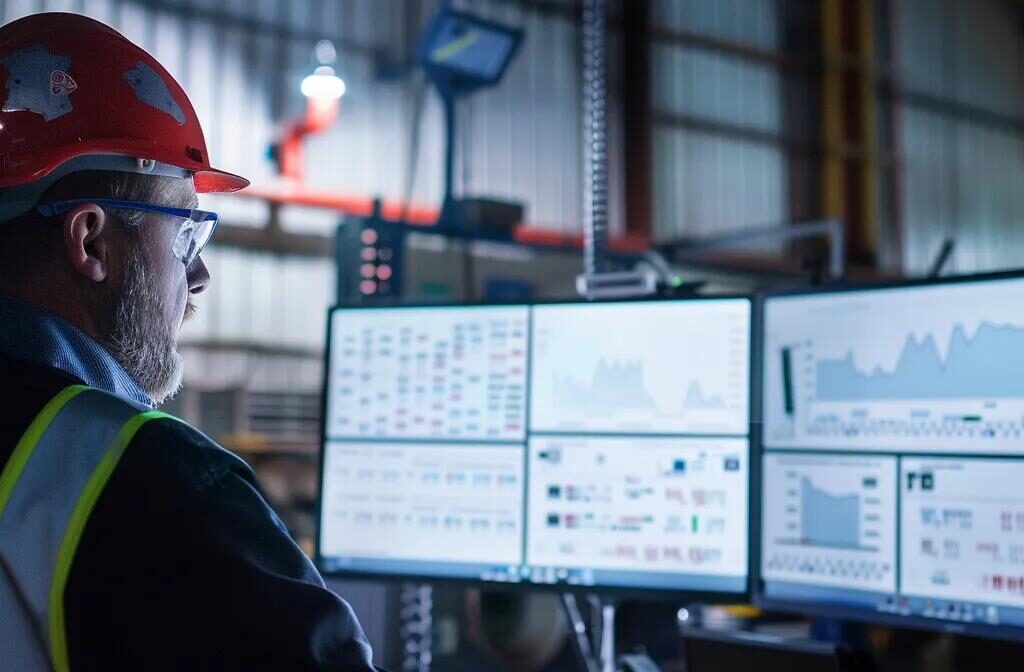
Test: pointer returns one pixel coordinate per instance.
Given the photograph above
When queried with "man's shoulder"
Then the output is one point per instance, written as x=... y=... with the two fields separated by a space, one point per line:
x=21 y=377
x=25 y=390
x=167 y=448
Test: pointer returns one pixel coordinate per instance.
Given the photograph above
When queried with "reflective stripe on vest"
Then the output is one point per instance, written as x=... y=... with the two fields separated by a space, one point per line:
x=47 y=491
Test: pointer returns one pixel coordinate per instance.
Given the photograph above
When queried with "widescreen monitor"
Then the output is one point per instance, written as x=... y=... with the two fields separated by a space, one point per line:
x=570 y=444
x=893 y=463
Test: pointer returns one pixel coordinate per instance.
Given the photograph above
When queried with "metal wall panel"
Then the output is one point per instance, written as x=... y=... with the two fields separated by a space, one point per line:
x=966 y=50
x=962 y=182
x=700 y=83
x=930 y=185
x=923 y=50
x=962 y=169
x=752 y=22
x=707 y=183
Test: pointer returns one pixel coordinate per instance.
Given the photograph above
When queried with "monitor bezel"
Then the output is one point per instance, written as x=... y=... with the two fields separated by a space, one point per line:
x=608 y=591
x=833 y=610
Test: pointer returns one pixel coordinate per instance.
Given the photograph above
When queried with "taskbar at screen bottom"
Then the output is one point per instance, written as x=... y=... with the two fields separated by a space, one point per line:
x=665 y=581
x=938 y=613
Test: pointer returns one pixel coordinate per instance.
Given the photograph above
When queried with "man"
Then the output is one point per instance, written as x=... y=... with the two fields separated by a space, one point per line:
x=128 y=540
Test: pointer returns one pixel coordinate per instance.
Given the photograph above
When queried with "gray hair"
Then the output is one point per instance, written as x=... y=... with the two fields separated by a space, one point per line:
x=125 y=187
x=30 y=237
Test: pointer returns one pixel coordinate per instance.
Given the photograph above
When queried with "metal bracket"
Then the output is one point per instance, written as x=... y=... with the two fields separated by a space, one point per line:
x=594 y=644
x=833 y=229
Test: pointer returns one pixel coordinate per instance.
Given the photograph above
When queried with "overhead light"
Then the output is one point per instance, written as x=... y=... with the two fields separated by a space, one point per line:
x=323 y=83
x=323 y=90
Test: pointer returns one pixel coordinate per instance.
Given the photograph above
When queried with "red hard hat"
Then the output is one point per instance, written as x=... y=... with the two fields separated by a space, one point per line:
x=73 y=87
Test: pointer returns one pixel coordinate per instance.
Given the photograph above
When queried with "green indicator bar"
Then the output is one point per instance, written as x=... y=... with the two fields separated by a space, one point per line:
x=693 y=523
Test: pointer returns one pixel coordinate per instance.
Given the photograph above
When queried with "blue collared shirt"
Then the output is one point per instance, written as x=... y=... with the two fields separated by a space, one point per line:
x=33 y=335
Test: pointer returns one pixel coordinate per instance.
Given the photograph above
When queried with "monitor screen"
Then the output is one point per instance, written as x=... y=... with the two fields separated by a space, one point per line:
x=581 y=444
x=894 y=453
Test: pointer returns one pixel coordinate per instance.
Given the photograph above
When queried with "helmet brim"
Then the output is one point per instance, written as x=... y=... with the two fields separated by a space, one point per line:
x=215 y=181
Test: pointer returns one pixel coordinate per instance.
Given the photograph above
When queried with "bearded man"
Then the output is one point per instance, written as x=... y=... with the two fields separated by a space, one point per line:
x=128 y=540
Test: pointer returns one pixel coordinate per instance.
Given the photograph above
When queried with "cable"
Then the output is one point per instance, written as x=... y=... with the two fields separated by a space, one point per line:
x=419 y=103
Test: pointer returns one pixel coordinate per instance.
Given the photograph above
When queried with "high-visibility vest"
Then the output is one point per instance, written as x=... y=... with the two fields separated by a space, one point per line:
x=48 y=489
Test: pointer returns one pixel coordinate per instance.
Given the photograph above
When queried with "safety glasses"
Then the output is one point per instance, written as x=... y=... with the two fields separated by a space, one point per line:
x=194 y=232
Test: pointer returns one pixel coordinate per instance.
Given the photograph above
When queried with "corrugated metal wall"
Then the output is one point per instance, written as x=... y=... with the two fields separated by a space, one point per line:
x=963 y=158
x=708 y=183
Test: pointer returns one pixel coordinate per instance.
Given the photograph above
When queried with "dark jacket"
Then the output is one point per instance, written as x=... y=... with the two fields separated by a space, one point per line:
x=183 y=565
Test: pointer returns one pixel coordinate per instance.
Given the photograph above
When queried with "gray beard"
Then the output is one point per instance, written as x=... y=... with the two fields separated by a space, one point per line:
x=141 y=341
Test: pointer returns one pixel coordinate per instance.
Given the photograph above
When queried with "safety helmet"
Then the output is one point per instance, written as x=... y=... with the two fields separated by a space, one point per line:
x=77 y=95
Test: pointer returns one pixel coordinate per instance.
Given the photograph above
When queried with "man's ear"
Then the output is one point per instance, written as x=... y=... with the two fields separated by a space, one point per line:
x=87 y=248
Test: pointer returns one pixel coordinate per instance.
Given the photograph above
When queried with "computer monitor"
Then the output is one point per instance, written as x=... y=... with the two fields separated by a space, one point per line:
x=596 y=445
x=639 y=444
x=893 y=462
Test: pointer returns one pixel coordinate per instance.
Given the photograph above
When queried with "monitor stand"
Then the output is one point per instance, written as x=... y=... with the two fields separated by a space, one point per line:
x=593 y=638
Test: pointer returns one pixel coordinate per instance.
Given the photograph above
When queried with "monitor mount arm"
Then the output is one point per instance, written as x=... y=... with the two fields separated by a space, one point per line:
x=594 y=644
x=832 y=229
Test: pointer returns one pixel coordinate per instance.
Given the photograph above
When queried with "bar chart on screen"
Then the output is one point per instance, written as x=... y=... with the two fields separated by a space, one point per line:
x=830 y=520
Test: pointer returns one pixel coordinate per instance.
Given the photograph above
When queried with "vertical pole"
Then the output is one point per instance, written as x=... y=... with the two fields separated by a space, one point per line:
x=833 y=188
x=447 y=208
x=607 y=655
x=866 y=168
x=892 y=121
x=636 y=109
x=595 y=138
x=578 y=637
x=849 y=170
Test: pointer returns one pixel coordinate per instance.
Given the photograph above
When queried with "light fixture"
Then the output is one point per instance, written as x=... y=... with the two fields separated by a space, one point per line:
x=323 y=91
x=324 y=83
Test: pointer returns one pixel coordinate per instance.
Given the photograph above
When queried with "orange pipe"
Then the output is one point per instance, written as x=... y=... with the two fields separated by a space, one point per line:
x=320 y=114
x=288 y=193
x=291 y=193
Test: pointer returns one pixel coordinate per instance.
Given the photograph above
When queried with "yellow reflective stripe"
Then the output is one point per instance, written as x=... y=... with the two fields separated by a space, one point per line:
x=76 y=526
x=27 y=444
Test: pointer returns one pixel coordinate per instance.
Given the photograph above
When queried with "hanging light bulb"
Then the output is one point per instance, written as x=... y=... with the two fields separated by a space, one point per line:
x=324 y=83
x=323 y=91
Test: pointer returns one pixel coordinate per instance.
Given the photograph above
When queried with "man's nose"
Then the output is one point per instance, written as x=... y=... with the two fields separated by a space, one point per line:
x=198 y=277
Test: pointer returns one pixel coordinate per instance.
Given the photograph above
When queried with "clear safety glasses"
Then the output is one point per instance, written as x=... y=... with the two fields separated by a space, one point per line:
x=194 y=232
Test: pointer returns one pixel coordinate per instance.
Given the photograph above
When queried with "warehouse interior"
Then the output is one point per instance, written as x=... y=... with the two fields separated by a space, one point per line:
x=620 y=150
